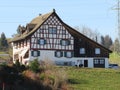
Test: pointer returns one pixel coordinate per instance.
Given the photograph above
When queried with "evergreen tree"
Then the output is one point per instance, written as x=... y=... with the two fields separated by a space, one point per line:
x=106 y=41
x=3 y=41
x=102 y=40
x=116 y=45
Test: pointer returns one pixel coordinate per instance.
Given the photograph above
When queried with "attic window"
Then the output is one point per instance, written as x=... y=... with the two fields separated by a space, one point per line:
x=52 y=30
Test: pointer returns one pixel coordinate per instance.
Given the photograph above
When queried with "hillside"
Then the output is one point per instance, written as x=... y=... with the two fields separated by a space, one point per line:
x=93 y=79
x=115 y=58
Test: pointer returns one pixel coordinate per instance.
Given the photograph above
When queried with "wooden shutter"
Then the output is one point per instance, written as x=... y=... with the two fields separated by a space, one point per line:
x=45 y=41
x=60 y=42
x=61 y=54
x=32 y=53
x=38 y=41
x=38 y=53
x=72 y=53
x=65 y=54
x=55 y=53
x=69 y=42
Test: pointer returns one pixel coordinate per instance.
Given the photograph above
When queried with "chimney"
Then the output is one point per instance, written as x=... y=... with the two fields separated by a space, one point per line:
x=53 y=10
x=40 y=14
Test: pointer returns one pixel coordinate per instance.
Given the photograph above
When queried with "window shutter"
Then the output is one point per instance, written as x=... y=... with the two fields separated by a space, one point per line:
x=38 y=41
x=45 y=41
x=60 y=42
x=32 y=53
x=72 y=53
x=65 y=54
x=55 y=53
x=38 y=53
x=69 y=42
x=61 y=53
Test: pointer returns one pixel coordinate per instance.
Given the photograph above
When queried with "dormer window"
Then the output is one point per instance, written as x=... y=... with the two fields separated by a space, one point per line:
x=52 y=30
x=65 y=42
x=41 y=41
x=97 y=50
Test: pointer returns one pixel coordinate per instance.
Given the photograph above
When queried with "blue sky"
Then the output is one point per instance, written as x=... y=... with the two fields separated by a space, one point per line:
x=95 y=14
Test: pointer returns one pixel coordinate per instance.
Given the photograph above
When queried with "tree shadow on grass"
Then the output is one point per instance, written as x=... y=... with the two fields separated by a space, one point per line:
x=77 y=81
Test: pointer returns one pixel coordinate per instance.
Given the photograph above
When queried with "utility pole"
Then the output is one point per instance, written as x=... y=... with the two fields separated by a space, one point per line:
x=117 y=7
x=118 y=11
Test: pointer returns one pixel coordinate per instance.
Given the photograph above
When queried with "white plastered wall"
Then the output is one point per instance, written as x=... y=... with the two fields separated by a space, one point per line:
x=49 y=55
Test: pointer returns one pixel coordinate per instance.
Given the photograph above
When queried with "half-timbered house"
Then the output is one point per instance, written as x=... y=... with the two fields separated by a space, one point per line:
x=48 y=37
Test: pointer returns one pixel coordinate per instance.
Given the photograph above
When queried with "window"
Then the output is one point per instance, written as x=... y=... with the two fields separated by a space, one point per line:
x=68 y=54
x=35 y=53
x=82 y=50
x=42 y=41
x=65 y=42
x=102 y=61
x=97 y=50
x=63 y=32
x=52 y=30
x=99 y=61
x=58 y=54
x=96 y=61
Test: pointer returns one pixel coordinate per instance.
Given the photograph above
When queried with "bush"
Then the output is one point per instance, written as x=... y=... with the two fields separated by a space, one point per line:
x=34 y=65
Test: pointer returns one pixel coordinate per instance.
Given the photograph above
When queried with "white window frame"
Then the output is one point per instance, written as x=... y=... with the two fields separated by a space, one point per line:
x=42 y=41
x=69 y=54
x=65 y=42
x=97 y=50
x=35 y=53
x=102 y=61
x=82 y=50
x=96 y=61
x=58 y=54
x=52 y=30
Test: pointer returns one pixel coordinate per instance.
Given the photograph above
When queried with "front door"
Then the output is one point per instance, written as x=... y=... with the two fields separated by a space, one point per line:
x=85 y=63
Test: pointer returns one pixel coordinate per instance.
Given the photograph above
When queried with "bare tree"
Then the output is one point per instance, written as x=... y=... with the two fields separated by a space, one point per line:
x=92 y=34
x=116 y=45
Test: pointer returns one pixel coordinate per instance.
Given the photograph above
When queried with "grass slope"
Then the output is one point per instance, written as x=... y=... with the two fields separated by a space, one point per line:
x=114 y=58
x=93 y=79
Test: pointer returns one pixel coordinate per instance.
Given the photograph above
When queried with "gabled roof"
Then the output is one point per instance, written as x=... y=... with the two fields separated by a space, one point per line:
x=38 y=21
x=75 y=33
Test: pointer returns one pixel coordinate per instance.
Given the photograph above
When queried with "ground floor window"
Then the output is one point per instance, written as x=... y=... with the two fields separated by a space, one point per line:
x=35 y=53
x=68 y=54
x=58 y=53
x=99 y=62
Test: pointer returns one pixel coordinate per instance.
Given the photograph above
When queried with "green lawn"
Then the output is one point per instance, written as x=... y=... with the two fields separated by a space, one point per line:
x=93 y=79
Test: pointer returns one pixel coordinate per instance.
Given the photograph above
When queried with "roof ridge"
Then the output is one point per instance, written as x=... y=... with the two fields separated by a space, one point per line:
x=42 y=16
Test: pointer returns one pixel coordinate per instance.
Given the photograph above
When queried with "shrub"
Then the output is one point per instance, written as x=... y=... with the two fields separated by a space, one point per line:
x=18 y=67
x=34 y=65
